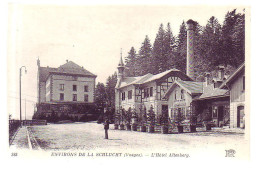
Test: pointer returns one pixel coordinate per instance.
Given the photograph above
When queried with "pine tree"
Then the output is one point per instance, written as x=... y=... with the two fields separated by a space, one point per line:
x=110 y=91
x=209 y=46
x=233 y=39
x=131 y=63
x=238 y=39
x=181 y=43
x=145 y=57
x=159 y=52
x=169 y=43
x=100 y=96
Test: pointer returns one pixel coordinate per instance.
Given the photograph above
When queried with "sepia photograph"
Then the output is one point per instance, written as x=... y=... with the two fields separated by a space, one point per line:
x=165 y=83
x=128 y=81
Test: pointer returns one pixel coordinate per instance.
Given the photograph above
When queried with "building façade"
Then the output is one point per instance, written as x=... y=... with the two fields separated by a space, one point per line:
x=66 y=90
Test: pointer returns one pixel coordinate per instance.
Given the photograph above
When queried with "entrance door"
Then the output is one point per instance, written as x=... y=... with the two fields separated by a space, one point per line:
x=165 y=110
x=240 y=115
x=220 y=114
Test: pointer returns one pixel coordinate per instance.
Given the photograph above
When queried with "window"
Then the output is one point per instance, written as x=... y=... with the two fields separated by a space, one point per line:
x=61 y=96
x=182 y=94
x=123 y=96
x=147 y=92
x=86 y=88
x=86 y=98
x=244 y=83
x=215 y=111
x=74 y=97
x=151 y=91
x=61 y=87
x=130 y=94
x=74 y=87
x=172 y=113
x=175 y=96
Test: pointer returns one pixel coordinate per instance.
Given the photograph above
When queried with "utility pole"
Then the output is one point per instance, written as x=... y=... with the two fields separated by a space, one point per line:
x=25 y=109
x=20 y=81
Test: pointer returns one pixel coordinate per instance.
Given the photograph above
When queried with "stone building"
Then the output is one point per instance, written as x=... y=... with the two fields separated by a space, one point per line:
x=67 y=89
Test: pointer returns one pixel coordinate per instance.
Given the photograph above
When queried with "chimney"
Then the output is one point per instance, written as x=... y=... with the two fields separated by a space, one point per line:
x=38 y=62
x=207 y=75
x=67 y=61
x=221 y=72
x=190 y=49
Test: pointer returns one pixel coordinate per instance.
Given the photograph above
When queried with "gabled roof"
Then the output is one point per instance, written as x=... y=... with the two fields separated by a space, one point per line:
x=191 y=87
x=211 y=92
x=68 y=68
x=233 y=76
x=126 y=81
x=198 y=88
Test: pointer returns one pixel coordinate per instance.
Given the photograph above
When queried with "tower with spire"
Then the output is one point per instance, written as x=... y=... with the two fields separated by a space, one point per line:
x=121 y=67
x=120 y=77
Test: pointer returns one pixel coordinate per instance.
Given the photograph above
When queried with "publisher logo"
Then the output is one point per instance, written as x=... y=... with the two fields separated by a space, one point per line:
x=230 y=153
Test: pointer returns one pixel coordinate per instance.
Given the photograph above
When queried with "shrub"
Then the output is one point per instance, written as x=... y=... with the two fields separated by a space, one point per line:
x=151 y=116
x=128 y=115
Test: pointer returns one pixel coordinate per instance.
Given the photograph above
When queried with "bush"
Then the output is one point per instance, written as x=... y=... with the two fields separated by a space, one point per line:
x=128 y=115
x=151 y=116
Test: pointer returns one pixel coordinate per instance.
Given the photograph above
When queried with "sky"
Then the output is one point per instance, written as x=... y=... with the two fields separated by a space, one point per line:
x=90 y=36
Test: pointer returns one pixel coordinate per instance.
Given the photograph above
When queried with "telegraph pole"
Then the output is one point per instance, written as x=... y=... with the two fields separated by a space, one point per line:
x=20 y=81
x=25 y=109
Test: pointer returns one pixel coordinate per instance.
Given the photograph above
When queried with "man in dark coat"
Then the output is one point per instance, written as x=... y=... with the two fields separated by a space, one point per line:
x=106 y=123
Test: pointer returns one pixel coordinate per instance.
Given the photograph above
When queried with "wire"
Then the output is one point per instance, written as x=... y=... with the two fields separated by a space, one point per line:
x=24 y=94
x=22 y=99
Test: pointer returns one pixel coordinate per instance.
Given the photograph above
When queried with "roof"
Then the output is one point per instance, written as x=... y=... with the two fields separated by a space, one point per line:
x=126 y=81
x=70 y=68
x=44 y=73
x=198 y=88
x=191 y=87
x=211 y=92
x=233 y=76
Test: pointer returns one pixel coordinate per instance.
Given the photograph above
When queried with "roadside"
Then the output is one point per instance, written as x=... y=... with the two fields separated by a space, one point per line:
x=20 y=140
x=91 y=136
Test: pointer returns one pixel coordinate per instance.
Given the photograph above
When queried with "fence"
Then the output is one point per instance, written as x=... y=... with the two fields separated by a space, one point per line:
x=13 y=126
x=34 y=122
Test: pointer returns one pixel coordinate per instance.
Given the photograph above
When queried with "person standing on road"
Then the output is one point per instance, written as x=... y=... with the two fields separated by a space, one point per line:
x=106 y=123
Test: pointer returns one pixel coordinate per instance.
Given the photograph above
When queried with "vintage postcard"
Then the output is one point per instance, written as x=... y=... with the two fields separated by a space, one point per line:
x=128 y=82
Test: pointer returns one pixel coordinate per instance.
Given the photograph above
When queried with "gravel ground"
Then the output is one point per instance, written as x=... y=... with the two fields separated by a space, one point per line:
x=90 y=137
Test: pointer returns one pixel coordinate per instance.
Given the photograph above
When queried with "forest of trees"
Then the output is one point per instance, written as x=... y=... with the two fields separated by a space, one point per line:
x=214 y=44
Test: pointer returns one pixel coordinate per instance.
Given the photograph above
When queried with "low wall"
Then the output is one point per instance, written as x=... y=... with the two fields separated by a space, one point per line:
x=34 y=122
